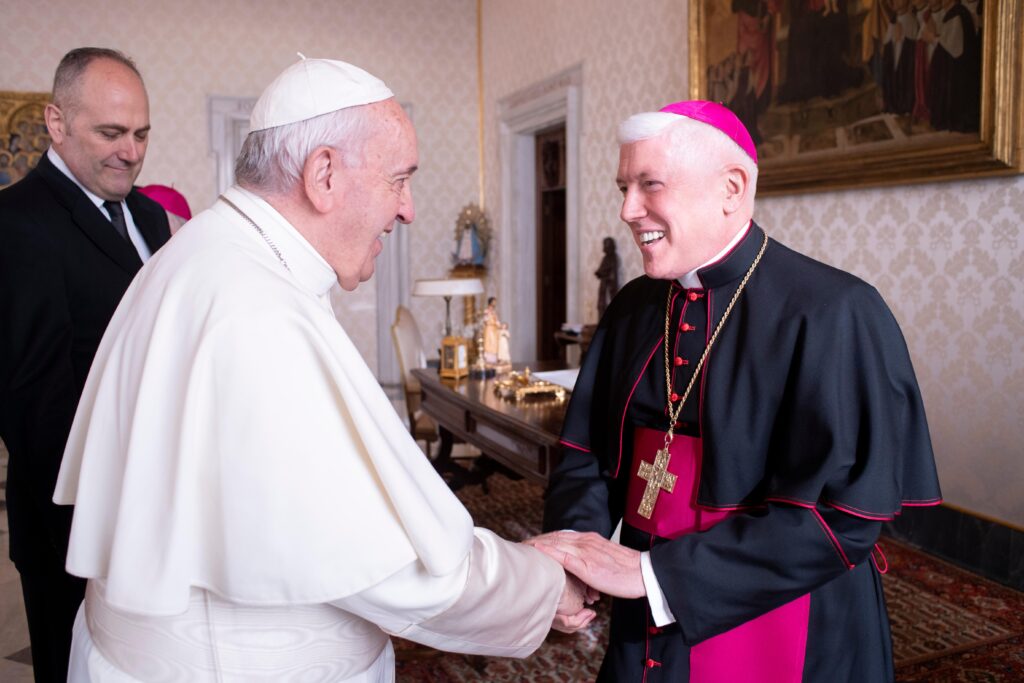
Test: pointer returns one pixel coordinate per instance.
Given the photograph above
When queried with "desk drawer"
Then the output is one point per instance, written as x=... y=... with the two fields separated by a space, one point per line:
x=514 y=449
x=446 y=413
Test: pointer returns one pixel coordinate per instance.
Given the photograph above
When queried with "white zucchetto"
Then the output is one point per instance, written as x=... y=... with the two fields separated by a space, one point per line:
x=312 y=87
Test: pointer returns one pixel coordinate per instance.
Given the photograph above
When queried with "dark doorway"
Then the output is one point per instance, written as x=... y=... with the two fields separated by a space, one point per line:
x=550 y=155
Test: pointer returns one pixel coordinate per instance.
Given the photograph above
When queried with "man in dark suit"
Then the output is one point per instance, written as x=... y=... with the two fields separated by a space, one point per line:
x=73 y=233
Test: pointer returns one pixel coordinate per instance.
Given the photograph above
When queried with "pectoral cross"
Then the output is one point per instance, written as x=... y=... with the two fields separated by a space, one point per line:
x=657 y=477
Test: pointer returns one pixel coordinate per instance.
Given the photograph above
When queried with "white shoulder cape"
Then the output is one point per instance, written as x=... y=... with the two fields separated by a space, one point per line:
x=230 y=437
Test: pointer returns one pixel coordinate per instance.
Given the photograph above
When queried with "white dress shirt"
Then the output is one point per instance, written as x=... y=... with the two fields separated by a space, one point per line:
x=133 y=230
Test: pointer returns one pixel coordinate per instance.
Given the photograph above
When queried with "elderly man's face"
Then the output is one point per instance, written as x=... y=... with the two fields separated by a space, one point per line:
x=378 y=194
x=102 y=134
x=673 y=209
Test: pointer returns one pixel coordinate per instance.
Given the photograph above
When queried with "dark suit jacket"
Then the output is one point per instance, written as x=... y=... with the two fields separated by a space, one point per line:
x=63 y=270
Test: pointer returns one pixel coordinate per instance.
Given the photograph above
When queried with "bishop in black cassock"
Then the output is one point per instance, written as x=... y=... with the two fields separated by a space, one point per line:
x=802 y=433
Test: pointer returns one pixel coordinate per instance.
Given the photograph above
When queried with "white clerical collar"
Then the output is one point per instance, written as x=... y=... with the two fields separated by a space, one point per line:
x=310 y=269
x=691 y=281
x=55 y=159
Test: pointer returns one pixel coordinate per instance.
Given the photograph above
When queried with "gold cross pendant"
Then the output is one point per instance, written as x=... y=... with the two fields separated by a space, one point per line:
x=657 y=477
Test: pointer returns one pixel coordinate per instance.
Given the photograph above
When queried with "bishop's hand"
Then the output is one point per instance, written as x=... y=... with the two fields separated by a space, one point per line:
x=601 y=564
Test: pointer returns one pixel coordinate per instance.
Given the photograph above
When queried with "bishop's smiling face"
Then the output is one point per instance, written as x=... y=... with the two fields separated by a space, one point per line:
x=673 y=208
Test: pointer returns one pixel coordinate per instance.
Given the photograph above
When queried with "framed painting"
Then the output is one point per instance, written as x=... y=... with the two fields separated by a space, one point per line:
x=23 y=136
x=847 y=93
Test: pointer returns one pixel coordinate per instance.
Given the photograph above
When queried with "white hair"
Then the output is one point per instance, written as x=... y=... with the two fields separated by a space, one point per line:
x=645 y=126
x=271 y=160
x=690 y=140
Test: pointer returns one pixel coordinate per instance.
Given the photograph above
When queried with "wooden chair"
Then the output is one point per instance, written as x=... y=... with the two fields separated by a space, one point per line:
x=585 y=338
x=409 y=346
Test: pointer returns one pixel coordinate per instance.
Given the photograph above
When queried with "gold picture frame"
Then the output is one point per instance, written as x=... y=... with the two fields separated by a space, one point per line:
x=862 y=147
x=23 y=135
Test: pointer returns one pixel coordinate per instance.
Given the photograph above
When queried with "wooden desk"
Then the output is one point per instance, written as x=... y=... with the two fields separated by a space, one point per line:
x=522 y=436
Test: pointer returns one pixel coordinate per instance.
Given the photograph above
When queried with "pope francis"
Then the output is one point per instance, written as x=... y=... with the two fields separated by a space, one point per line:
x=248 y=506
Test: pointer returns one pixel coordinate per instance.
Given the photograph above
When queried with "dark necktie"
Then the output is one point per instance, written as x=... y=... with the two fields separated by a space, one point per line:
x=117 y=218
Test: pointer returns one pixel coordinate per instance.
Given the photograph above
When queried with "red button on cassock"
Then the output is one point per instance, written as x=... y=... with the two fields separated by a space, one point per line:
x=686 y=327
x=694 y=296
x=652 y=663
x=678 y=361
x=653 y=630
x=674 y=397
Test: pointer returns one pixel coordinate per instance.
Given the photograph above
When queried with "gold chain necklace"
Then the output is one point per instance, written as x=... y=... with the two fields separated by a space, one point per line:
x=656 y=474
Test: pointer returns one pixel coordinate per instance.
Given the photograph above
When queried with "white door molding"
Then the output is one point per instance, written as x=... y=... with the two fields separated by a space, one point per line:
x=229 y=124
x=549 y=102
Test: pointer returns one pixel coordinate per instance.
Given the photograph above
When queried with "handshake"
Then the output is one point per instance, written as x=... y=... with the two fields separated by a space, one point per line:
x=593 y=565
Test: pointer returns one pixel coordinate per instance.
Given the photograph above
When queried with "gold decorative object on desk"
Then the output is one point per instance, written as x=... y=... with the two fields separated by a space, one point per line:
x=454 y=358
x=516 y=386
x=478 y=366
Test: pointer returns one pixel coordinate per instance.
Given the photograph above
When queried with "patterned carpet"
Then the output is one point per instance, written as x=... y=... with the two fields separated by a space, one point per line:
x=949 y=626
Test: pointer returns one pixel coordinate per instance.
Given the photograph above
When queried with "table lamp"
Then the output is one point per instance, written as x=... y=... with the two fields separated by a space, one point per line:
x=454 y=348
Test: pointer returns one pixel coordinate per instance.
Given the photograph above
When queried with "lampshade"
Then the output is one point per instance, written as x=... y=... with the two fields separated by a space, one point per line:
x=455 y=286
x=450 y=287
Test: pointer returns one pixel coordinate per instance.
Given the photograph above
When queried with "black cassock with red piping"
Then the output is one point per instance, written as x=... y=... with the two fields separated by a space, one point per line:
x=804 y=432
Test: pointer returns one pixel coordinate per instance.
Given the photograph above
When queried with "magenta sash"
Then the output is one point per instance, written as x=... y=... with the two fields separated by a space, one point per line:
x=768 y=649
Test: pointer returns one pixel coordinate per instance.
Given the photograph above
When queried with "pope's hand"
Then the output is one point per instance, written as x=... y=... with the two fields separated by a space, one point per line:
x=572 y=615
x=599 y=563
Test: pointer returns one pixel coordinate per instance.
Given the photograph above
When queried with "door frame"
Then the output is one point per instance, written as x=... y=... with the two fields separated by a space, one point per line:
x=554 y=100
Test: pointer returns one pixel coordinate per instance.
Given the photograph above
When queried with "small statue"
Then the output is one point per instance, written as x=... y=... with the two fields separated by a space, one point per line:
x=496 y=335
x=472 y=237
x=608 y=274
x=469 y=252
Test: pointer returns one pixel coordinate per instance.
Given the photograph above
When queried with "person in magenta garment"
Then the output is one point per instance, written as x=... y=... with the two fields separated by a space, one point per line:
x=751 y=417
x=174 y=203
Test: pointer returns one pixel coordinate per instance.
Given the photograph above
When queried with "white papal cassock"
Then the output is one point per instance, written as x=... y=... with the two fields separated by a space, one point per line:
x=248 y=505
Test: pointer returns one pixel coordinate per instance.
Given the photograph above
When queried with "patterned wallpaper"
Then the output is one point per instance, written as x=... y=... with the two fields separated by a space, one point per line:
x=188 y=50
x=949 y=258
x=632 y=60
